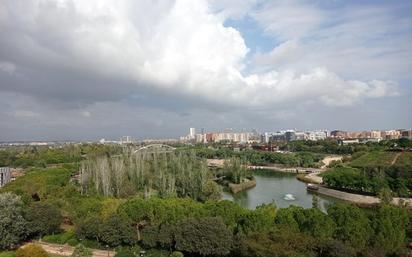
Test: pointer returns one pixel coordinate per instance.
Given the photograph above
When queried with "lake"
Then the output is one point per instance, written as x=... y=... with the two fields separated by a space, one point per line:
x=271 y=187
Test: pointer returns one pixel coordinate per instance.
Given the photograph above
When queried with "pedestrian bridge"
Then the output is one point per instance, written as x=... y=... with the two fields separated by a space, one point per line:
x=155 y=148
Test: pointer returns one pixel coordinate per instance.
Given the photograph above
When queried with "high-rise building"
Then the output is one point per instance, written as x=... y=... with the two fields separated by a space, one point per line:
x=126 y=140
x=192 y=133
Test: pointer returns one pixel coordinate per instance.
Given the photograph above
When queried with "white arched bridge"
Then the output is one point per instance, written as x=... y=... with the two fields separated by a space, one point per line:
x=158 y=148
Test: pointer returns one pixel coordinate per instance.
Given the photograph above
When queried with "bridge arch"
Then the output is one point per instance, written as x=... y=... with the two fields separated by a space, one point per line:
x=162 y=148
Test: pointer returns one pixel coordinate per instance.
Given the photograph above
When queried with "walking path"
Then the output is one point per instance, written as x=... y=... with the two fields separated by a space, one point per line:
x=314 y=177
x=395 y=158
x=359 y=199
x=67 y=250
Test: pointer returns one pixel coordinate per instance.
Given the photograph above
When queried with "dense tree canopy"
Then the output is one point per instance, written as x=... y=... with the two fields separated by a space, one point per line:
x=205 y=236
x=12 y=223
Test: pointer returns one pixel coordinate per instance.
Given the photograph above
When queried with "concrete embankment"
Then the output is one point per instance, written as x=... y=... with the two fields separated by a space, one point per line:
x=362 y=200
x=281 y=168
x=236 y=188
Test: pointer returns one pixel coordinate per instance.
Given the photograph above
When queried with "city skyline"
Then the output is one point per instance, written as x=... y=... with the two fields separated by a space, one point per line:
x=76 y=70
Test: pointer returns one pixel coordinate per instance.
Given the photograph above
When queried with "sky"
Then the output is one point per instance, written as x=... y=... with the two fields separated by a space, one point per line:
x=84 y=70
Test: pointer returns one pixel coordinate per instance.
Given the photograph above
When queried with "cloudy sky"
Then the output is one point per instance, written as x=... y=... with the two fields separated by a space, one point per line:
x=75 y=69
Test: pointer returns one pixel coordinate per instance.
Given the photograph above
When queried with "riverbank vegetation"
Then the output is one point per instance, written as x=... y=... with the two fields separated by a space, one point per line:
x=372 y=172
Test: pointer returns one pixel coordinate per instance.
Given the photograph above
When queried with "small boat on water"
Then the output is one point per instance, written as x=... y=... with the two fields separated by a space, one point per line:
x=289 y=197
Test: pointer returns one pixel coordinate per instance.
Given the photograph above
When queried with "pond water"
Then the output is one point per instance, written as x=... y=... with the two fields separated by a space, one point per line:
x=279 y=187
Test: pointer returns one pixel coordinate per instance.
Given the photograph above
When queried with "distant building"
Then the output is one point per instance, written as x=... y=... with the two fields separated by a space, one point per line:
x=406 y=134
x=316 y=135
x=290 y=136
x=5 y=176
x=376 y=134
x=349 y=141
x=338 y=134
x=192 y=133
x=391 y=134
x=126 y=140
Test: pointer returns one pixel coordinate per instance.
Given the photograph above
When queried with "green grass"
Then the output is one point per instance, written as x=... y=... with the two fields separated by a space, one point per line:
x=374 y=159
x=68 y=237
x=7 y=254
x=405 y=159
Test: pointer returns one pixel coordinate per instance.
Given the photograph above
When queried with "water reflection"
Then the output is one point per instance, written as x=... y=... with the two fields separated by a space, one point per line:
x=273 y=187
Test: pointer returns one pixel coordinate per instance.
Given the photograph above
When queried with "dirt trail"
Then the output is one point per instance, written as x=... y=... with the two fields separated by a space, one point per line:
x=314 y=177
x=328 y=159
x=67 y=250
x=395 y=158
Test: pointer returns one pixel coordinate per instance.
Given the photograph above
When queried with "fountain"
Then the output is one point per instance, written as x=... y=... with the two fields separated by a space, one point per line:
x=289 y=197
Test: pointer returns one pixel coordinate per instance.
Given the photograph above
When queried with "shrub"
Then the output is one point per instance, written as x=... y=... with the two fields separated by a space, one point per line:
x=177 y=254
x=81 y=251
x=31 y=250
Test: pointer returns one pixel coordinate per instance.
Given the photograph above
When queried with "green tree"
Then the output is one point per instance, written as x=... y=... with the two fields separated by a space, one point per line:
x=81 y=251
x=124 y=252
x=31 y=250
x=334 y=248
x=352 y=224
x=317 y=224
x=150 y=236
x=206 y=236
x=389 y=225
x=116 y=230
x=12 y=222
x=43 y=218
x=280 y=242
x=385 y=195
x=229 y=211
x=261 y=219
x=211 y=191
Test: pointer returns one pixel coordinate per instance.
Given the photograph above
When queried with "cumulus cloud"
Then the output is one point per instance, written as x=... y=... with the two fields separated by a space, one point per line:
x=71 y=62
x=181 y=46
x=355 y=41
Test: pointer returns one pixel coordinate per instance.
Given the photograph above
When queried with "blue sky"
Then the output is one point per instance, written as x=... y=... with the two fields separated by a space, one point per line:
x=73 y=69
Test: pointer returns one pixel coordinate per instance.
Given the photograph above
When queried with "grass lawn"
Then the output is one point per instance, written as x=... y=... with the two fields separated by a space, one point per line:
x=374 y=159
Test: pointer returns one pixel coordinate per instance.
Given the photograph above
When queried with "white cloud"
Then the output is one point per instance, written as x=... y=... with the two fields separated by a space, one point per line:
x=358 y=41
x=25 y=114
x=7 y=67
x=288 y=19
x=177 y=46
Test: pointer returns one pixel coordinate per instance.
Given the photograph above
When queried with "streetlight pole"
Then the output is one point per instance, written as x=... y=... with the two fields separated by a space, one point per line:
x=107 y=248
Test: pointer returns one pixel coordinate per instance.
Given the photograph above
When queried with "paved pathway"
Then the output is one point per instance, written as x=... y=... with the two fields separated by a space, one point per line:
x=359 y=199
x=67 y=250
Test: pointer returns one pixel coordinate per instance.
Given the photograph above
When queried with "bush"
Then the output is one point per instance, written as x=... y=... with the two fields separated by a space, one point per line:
x=124 y=252
x=31 y=250
x=177 y=254
x=61 y=238
x=81 y=251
